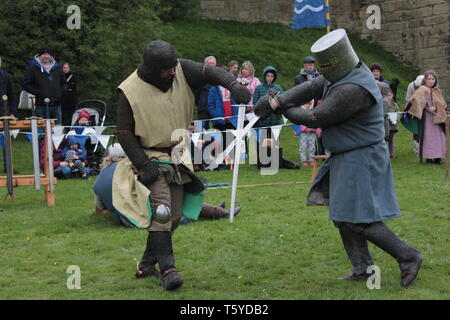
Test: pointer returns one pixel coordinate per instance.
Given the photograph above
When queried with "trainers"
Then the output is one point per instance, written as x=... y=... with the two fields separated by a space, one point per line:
x=305 y=164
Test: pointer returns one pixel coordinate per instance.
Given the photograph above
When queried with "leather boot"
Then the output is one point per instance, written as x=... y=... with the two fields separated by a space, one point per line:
x=407 y=257
x=356 y=247
x=161 y=245
x=216 y=212
x=147 y=266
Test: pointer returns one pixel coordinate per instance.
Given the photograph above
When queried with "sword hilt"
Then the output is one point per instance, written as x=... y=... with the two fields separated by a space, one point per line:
x=5 y=104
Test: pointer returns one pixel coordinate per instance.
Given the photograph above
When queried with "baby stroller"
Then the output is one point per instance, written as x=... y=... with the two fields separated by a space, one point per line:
x=97 y=115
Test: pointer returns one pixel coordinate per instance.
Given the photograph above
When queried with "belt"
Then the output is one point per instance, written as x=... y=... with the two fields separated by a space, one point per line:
x=163 y=150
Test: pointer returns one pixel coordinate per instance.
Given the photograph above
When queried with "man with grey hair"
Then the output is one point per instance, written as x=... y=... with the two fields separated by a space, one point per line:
x=43 y=79
x=201 y=97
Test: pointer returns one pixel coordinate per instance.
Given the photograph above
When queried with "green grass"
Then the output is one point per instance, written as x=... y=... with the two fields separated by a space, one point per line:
x=277 y=248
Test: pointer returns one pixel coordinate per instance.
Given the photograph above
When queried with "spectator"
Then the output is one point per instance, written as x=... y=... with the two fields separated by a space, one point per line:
x=75 y=157
x=428 y=105
x=61 y=168
x=220 y=105
x=73 y=144
x=390 y=125
x=307 y=139
x=377 y=70
x=69 y=95
x=394 y=86
x=413 y=86
x=269 y=87
x=308 y=72
x=84 y=119
x=201 y=99
x=6 y=88
x=248 y=79
x=233 y=67
x=43 y=79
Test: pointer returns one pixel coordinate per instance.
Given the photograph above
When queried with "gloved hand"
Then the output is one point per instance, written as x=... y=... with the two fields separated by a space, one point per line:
x=272 y=92
x=240 y=93
x=148 y=173
x=262 y=108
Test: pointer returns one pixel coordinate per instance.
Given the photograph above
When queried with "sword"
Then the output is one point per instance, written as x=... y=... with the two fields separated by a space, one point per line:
x=8 y=154
x=35 y=143
x=241 y=133
x=49 y=145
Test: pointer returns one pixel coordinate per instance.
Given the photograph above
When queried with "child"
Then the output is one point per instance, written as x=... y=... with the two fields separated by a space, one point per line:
x=390 y=125
x=307 y=139
x=84 y=118
x=74 y=156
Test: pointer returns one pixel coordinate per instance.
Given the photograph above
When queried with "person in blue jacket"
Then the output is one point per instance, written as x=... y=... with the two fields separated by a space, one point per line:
x=220 y=104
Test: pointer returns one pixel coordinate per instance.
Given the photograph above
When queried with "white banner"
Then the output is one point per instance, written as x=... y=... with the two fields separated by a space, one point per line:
x=91 y=133
x=57 y=139
x=284 y=119
x=104 y=140
x=276 y=132
x=58 y=130
x=99 y=130
x=392 y=117
x=14 y=133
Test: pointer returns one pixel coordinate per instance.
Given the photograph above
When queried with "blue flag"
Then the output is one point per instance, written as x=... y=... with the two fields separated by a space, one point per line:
x=308 y=14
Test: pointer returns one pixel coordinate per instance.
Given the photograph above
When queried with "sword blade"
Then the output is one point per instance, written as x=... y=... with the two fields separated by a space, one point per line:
x=35 y=143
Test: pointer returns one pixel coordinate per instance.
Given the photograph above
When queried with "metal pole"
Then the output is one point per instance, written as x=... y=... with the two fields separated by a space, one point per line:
x=35 y=143
x=49 y=146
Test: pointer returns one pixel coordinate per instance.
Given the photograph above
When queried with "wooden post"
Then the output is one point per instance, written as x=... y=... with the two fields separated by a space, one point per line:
x=49 y=196
x=327 y=15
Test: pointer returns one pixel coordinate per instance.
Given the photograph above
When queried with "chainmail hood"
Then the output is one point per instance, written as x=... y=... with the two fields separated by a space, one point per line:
x=158 y=55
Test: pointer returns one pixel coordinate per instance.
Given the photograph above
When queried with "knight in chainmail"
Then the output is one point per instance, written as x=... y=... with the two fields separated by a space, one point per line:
x=356 y=180
x=153 y=102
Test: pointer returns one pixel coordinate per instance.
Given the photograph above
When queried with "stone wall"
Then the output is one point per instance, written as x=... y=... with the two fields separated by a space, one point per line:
x=416 y=31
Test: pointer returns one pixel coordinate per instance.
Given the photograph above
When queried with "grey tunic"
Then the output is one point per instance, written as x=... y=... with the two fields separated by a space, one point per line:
x=356 y=181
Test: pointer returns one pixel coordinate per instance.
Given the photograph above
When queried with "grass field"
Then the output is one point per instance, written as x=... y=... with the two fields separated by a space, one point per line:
x=277 y=248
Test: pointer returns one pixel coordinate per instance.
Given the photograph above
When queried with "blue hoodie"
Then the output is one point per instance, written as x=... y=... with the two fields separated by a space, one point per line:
x=260 y=91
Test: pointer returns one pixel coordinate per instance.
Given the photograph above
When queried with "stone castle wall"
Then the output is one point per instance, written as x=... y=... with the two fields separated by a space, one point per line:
x=416 y=31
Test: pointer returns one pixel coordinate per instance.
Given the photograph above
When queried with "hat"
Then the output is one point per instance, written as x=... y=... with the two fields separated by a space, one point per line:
x=418 y=81
x=44 y=49
x=115 y=150
x=84 y=114
x=309 y=59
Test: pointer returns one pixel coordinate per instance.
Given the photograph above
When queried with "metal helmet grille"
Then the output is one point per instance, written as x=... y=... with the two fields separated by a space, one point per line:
x=335 y=55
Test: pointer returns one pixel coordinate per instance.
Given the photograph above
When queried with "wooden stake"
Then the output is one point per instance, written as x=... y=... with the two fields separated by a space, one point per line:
x=327 y=15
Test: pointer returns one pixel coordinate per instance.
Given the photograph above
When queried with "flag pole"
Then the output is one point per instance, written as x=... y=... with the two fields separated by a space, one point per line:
x=327 y=15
